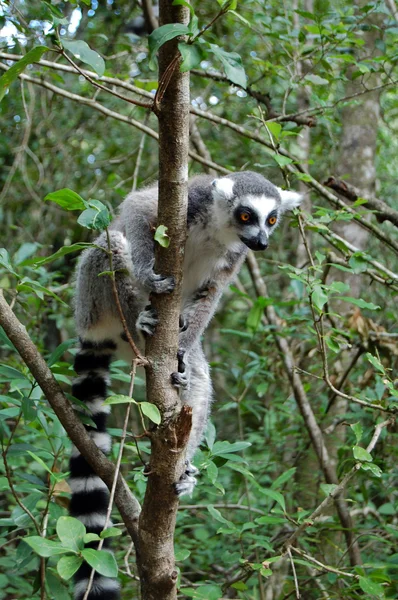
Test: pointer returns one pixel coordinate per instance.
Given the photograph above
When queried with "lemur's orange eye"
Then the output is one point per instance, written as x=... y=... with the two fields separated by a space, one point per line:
x=244 y=217
x=272 y=220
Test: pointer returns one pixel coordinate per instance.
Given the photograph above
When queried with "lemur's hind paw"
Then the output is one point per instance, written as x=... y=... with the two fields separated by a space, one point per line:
x=186 y=484
x=179 y=380
x=147 y=320
x=160 y=284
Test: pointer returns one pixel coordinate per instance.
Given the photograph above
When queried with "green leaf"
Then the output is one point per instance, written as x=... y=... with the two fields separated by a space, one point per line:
x=161 y=236
x=210 y=435
x=71 y=532
x=119 y=399
x=375 y=470
x=332 y=343
x=328 y=488
x=275 y=128
x=40 y=461
x=10 y=373
x=227 y=448
x=100 y=560
x=83 y=52
x=358 y=262
x=151 y=411
x=375 y=362
x=281 y=160
x=277 y=496
x=110 y=532
x=371 y=587
x=232 y=64
x=218 y=517
x=60 y=350
x=361 y=303
x=361 y=454
x=5 y=261
x=67 y=199
x=91 y=537
x=11 y=75
x=61 y=252
x=204 y=592
x=254 y=317
x=191 y=56
x=279 y=481
x=95 y=218
x=68 y=565
x=212 y=472
x=24 y=252
x=358 y=430
x=316 y=80
x=319 y=297
x=163 y=34
x=44 y=547
x=227 y=5
x=182 y=555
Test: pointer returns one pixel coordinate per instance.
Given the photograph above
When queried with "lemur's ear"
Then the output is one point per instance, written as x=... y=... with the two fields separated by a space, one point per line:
x=290 y=199
x=223 y=188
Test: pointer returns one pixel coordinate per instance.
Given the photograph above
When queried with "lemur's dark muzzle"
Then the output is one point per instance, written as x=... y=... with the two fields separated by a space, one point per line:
x=258 y=243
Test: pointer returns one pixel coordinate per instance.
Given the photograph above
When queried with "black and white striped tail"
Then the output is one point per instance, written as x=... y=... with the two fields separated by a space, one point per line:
x=90 y=496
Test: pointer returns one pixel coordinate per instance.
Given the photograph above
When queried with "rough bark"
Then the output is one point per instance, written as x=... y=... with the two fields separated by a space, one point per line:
x=157 y=521
x=360 y=121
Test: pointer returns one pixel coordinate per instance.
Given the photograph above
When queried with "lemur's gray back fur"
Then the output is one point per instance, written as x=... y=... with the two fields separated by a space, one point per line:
x=225 y=217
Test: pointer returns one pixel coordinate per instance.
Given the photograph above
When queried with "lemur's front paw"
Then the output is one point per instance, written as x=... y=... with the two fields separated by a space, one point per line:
x=180 y=379
x=147 y=320
x=186 y=484
x=160 y=284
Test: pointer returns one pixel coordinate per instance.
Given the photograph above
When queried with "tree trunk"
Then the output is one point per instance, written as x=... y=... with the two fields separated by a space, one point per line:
x=155 y=554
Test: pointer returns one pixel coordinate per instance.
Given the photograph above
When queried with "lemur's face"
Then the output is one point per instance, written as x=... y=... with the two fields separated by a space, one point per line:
x=255 y=219
x=253 y=206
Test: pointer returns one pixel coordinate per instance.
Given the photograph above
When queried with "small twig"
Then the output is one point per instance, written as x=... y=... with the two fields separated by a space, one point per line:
x=321 y=565
x=126 y=559
x=294 y=574
x=103 y=87
x=384 y=212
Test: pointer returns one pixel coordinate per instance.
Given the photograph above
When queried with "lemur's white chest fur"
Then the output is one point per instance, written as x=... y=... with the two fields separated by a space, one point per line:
x=205 y=255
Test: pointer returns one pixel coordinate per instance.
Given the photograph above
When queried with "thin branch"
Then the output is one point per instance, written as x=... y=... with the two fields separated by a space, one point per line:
x=296 y=585
x=336 y=201
x=324 y=567
x=384 y=212
x=260 y=97
x=103 y=87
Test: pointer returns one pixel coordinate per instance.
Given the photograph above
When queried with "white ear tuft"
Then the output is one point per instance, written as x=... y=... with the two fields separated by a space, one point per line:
x=290 y=199
x=223 y=188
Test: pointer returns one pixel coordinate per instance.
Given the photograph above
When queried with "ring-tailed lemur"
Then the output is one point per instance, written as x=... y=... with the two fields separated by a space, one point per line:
x=226 y=216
